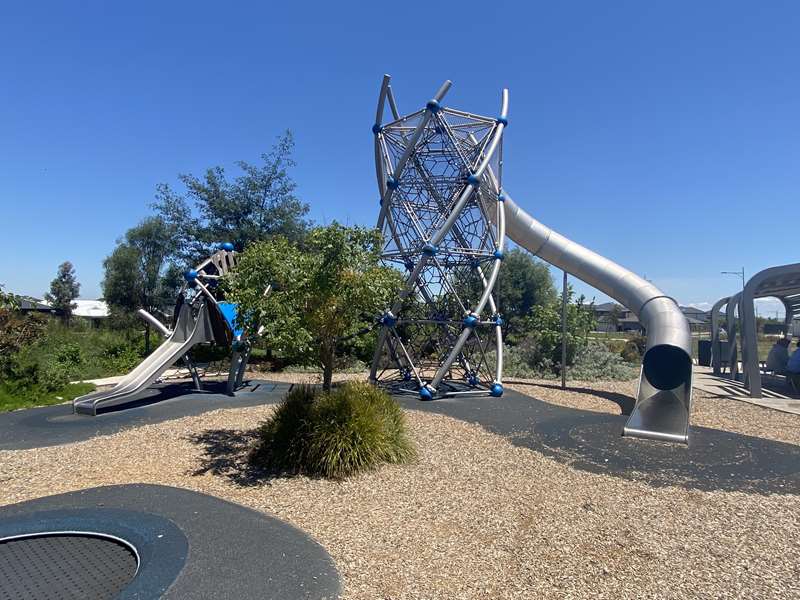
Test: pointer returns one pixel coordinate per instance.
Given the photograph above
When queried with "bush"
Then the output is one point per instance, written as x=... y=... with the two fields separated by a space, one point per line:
x=596 y=362
x=353 y=428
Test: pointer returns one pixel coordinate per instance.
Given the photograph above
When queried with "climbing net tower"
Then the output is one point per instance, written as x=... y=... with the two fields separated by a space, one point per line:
x=439 y=174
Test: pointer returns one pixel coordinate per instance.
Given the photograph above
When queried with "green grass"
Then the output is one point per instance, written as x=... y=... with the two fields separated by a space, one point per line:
x=13 y=399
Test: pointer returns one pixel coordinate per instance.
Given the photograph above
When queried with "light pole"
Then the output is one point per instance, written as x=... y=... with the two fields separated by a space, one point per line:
x=737 y=273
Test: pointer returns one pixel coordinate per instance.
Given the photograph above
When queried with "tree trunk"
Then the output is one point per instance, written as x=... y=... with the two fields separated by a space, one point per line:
x=327 y=368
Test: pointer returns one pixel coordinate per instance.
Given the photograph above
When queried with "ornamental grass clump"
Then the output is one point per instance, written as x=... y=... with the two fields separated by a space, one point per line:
x=351 y=429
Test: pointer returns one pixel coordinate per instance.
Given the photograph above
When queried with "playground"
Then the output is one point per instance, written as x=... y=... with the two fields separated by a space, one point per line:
x=491 y=508
x=484 y=486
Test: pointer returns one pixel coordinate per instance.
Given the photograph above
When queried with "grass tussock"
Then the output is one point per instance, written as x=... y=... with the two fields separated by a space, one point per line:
x=353 y=428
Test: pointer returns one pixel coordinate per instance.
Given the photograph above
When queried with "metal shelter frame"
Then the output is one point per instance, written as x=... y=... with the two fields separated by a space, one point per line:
x=781 y=282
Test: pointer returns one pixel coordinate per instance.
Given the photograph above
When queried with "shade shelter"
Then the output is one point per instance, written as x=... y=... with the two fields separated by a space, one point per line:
x=781 y=282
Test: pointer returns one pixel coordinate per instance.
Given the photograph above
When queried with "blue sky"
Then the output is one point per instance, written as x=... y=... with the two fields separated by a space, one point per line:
x=664 y=135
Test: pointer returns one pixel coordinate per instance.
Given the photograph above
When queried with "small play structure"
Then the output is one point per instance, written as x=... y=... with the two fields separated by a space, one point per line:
x=201 y=316
x=445 y=216
x=781 y=282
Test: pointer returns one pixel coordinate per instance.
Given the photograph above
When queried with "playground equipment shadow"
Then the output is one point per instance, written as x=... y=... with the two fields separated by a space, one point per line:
x=586 y=440
x=56 y=425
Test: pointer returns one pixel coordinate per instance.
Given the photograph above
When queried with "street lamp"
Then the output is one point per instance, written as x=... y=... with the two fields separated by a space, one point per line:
x=737 y=273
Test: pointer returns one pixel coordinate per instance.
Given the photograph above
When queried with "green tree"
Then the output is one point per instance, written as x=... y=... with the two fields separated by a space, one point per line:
x=321 y=294
x=257 y=205
x=524 y=282
x=542 y=345
x=63 y=290
x=17 y=331
x=137 y=272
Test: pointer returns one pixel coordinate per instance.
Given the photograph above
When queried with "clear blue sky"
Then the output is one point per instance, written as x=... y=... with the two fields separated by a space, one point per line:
x=665 y=135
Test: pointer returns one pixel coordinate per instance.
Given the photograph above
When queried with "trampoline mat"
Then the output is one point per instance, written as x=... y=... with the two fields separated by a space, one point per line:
x=64 y=567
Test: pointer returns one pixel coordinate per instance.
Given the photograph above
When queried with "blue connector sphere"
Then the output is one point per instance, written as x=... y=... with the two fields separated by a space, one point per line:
x=498 y=320
x=388 y=320
x=433 y=106
x=190 y=275
x=392 y=183
x=474 y=180
x=498 y=254
x=501 y=197
x=227 y=246
x=502 y=121
x=429 y=250
x=496 y=390
x=425 y=393
x=470 y=321
x=473 y=380
x=376 y=129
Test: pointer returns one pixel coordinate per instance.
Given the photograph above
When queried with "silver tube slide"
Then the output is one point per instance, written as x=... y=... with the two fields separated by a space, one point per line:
x=663 y=400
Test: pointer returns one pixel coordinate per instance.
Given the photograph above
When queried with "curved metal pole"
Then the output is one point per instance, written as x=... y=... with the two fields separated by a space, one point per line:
x=730 y=315
x=716 y=344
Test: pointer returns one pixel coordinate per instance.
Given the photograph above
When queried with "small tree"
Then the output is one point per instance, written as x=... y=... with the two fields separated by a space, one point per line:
x=320 y=295
x=63 y=290
x=137 y=274
x=524 y=282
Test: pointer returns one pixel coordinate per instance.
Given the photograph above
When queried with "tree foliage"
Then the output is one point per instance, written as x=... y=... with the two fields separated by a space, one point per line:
x=17 y=331
x=258 y=204
x=64 y=289
x=524 y=283
x=541 y=346
x=321 y=294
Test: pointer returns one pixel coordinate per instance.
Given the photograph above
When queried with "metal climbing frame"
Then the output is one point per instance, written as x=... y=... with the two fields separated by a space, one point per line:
x=445 y=216
x=439 y=175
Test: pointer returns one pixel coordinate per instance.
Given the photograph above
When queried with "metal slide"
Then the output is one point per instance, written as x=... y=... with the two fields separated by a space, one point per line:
x=188 y=332
x=664 y=396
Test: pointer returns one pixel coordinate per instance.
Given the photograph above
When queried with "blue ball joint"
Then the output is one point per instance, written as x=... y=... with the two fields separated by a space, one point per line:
x=227 y=246
x=433 y=106
x=502 y=121
x=376 y=129
x=501 y=197
x=388 y=319
x=498 y=254
x=405 y=374
x=429 y=250
x=190 y=275
x=498 y=320
x=496 y=390
x=471 y=320
x=392 y=183
x=473 y=380
x=425 y=393
x=474 y=180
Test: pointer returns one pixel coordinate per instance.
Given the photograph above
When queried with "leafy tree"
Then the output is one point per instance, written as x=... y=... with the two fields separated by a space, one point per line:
x=137 y=274
x=322 y=294
x=17 y=331
x=63 y=290
x=542 y=345
x=255 y=206
x=523 y=284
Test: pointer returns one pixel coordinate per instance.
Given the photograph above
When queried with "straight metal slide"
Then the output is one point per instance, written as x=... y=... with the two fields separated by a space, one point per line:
x=188 y=332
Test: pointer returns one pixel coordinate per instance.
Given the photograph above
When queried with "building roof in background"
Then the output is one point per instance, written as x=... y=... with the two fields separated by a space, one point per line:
x=91 y=309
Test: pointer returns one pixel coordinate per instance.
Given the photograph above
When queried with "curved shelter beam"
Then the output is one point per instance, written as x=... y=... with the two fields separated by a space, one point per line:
x=716 y=343
x=782 y=282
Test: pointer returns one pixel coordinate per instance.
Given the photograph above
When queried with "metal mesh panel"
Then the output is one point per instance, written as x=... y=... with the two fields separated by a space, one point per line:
x=64 y=567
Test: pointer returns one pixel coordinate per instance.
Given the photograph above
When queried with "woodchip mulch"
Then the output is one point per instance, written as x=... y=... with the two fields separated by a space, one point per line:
x=474 y=516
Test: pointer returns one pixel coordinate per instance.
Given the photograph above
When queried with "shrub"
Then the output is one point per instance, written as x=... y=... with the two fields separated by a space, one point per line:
x=353 y=428
x=596 y=362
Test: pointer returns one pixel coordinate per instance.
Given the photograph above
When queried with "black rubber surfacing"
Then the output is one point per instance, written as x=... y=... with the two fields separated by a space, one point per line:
x=64 y=567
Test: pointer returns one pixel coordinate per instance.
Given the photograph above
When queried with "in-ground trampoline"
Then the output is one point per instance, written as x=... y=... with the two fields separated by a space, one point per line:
x=151 y=541
x=62 y=566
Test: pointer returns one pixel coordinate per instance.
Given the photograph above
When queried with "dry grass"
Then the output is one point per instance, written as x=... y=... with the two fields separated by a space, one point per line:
x=475 y=517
